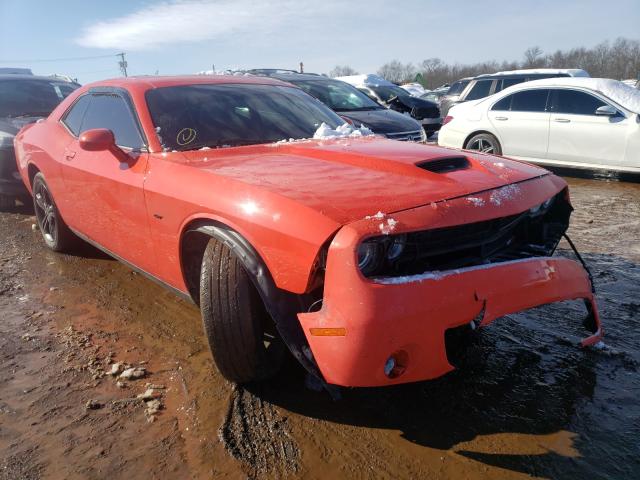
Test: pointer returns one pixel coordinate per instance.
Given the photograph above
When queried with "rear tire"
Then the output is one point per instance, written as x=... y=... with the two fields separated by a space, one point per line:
x=242 y=336
x=55 y=232
x=485 y=143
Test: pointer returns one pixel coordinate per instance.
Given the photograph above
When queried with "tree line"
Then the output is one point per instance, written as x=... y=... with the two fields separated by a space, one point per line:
x=619 y=60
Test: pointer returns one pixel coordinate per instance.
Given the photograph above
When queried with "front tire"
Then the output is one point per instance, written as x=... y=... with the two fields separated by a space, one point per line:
x=484 y=143
x=55 y=232
x=241 y=334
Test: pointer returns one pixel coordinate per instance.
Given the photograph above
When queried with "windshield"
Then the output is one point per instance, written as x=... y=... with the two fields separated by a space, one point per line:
x=387 y=92
x=339 y=96
x=26 y=97
x=188 y=117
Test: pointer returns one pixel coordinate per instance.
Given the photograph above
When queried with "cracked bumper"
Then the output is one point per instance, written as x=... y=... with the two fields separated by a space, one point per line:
x=363 y=322
x=382 y=319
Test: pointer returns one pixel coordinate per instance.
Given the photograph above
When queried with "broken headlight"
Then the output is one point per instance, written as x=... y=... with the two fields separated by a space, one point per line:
x=369 y=256
x=375 y=252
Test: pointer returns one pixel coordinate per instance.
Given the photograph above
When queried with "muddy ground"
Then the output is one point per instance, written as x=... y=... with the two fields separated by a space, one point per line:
x=528 y=402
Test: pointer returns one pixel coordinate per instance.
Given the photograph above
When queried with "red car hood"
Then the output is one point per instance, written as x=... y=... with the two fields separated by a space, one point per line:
x=347 y=179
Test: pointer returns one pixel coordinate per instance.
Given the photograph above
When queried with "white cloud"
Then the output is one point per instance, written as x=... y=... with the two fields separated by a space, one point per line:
x=181 y=21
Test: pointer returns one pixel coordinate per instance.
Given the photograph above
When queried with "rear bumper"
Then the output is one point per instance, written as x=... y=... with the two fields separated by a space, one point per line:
x=13 y=188
x=363 y=322
x=10 y=181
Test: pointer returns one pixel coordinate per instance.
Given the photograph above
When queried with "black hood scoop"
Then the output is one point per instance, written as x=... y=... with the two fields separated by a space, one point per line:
x=445 y=164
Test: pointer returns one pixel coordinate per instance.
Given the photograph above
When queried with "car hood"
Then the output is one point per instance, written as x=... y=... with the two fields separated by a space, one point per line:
x=350 y=178
x=383 y=120
x=414 y=102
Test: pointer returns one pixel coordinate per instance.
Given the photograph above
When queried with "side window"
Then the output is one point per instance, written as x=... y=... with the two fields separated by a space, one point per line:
x=504 y=104
x=508 y=82
x=479 y=90
x=112 y=112
x=73 y=118
x=576 y=103
x=529 y=101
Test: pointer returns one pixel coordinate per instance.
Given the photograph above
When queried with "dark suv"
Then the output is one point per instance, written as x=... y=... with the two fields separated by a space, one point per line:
x=351 y=104
x=475 y=88
x=23 y=99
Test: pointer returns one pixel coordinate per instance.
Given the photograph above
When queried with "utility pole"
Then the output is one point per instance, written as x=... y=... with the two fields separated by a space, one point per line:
x=122 y=63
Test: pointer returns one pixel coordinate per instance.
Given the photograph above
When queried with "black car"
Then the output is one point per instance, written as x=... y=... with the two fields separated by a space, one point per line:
x=353 y=105
x=23 y=99
x=395 y=98
x=475 y=88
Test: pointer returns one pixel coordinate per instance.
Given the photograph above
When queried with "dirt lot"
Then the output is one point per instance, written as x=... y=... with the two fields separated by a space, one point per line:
x=528 y=402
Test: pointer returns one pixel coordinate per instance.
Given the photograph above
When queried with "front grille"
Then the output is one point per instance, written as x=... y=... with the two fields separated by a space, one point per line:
x=524 y=235
x=425 y=112
x=414 y=136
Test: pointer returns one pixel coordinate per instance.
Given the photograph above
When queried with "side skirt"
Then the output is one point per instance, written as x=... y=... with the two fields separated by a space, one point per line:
x=154 y=279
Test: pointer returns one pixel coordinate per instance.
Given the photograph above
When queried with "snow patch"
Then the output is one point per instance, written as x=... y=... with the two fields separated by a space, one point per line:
x=502 y=194
x=344 y=130
x=439 y=275
x=388 y=227
x=377 y=216
x=475 y=201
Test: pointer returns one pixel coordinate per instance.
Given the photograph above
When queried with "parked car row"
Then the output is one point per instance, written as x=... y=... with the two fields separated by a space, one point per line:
x=293 y=230
x=396 y=98
x=353 y=105
x=475 y=88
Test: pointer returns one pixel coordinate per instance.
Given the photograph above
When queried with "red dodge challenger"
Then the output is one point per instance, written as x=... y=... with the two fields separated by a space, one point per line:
x=356 y=253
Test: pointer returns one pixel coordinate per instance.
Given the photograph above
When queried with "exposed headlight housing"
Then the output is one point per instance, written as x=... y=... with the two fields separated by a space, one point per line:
x=369 y=256
x=540 y=209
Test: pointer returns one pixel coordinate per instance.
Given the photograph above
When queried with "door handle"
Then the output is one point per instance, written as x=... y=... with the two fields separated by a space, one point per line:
x=69 y=154
x=502 y=119
x=561 y=120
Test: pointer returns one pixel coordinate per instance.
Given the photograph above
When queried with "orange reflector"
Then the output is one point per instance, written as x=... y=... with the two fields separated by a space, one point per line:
x=328 y=332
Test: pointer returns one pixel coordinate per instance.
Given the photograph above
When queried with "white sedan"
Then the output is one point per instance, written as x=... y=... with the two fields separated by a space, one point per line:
x=574 y=122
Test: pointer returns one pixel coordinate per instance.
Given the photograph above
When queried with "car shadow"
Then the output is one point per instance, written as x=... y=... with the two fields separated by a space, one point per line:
x=524 y=374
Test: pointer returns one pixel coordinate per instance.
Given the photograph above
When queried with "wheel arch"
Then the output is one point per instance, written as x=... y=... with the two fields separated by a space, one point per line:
x=478 y=132
x=282 y=306
x=32 y=171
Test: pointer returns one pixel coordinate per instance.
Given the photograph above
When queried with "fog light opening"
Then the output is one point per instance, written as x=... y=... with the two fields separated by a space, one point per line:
x=396 y=364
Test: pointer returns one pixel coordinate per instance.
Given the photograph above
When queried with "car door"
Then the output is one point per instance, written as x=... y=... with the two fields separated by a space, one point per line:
x=522 y=123
x=577 y=135
x=106 y=193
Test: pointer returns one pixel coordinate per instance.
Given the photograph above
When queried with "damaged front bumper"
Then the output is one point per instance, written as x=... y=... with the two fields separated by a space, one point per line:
x=375 y=332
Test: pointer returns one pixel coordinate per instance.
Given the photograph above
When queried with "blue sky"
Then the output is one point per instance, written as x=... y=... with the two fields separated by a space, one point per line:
x=186 y=36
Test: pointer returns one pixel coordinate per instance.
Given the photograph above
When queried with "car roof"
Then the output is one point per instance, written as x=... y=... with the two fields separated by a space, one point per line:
x=149 y=82
x=290 y=77
x=20 y=76
x=572 y=72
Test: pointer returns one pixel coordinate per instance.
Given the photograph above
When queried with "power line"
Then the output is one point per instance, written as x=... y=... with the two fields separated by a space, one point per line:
x=68 y=59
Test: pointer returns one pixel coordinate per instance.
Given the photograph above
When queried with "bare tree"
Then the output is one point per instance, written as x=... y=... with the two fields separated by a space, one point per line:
x=342 y=71
x=533 y=57
x=619 y=60
x=397 y=72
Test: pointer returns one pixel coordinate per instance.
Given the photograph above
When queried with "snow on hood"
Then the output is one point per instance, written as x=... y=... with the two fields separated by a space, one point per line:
x=344 y=130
